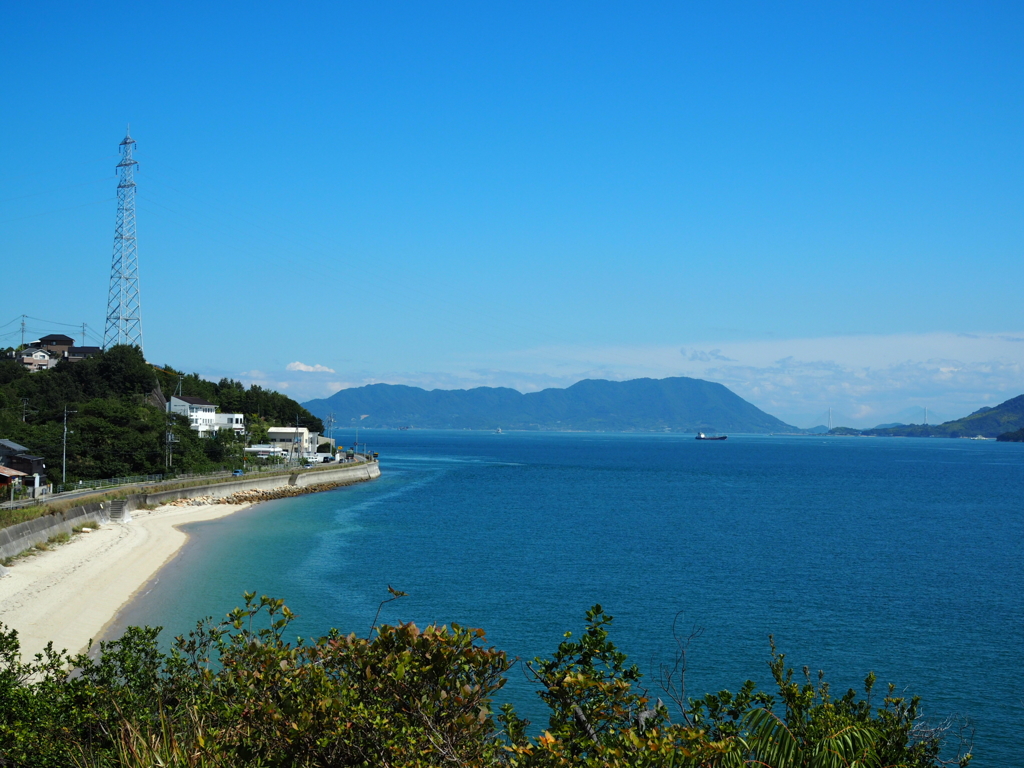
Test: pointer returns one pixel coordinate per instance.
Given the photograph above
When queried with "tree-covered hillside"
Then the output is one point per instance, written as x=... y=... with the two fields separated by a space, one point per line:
x=115 y=427
x=986 y=422
x=1012 y=437
x=262 y=407
x=677 y=404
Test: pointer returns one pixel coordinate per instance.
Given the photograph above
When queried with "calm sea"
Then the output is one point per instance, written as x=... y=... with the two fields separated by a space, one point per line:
x=901 y=556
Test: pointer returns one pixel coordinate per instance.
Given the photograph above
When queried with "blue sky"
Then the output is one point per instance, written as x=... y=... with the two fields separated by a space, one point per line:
x=818 y=206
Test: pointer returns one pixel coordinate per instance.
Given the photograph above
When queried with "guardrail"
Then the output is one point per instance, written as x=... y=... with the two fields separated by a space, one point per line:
x=113 y=482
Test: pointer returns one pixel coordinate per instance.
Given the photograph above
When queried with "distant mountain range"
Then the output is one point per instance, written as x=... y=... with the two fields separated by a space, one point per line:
x=677 y=404
x=986 y=422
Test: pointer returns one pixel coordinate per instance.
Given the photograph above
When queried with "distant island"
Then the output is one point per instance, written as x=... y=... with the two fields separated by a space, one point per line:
x=677 y=404
x=1005 y=422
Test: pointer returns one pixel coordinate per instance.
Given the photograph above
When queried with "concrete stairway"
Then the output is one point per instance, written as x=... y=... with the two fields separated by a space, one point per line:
x=118 y=513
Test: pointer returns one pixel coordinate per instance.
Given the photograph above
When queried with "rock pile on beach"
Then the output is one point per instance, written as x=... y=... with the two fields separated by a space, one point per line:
x=255 y=496
x=198 y=501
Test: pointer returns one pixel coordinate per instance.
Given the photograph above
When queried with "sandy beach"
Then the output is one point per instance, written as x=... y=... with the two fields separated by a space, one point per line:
x=70 y=593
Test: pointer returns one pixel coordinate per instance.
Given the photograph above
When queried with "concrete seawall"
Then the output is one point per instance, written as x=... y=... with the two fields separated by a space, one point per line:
x=17 y=538
x=355 y=474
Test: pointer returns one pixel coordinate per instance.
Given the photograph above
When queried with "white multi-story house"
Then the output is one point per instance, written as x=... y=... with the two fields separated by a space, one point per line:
x=38 y=359
x=203 y=417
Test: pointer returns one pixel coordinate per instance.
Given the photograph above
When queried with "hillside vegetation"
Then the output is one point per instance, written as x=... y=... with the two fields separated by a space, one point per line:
x=986 y=422
x=239 y=695
x=677 y=404
x=115 y=427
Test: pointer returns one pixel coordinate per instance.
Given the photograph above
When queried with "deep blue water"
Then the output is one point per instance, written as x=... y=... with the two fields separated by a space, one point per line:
x=901 y=556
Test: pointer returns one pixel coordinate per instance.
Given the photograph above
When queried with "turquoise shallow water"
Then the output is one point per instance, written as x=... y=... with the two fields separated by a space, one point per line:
x=902 y=556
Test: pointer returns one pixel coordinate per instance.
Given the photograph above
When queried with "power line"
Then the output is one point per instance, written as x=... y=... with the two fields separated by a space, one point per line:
x=383 y=288
x=57 y=210
x=483 y=318
x=57 y=189
x=96 y=161
x=53 y=322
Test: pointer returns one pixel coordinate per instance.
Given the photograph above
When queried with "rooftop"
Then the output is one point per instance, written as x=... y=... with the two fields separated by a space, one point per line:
x=193 y=400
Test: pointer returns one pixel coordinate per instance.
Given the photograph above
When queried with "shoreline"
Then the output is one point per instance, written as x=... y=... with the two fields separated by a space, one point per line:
x=70 y=594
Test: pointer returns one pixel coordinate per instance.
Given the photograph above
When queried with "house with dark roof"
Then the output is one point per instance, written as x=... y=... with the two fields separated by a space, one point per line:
x=74 y=354
x=10 y=448
x=55 y=343
x=30 y=465
x=17 y=467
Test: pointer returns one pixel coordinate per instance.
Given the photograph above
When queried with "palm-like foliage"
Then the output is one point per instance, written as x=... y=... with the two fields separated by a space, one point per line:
x=771 y=743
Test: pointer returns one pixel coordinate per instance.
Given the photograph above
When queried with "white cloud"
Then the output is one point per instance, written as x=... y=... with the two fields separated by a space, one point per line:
x=866 y=380
x=308 y=368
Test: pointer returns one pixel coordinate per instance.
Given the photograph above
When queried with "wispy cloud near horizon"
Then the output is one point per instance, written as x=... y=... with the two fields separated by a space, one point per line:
x=296 y=366
x=866 y=380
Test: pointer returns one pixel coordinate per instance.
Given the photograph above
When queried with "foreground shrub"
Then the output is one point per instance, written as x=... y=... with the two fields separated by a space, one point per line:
x=238 y=694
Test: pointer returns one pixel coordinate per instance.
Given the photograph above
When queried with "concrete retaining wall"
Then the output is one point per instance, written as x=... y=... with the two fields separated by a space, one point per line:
x=354 y=474
x=17 y=538
x=217 y=490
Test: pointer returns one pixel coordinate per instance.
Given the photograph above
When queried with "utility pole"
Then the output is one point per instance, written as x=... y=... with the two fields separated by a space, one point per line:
x=24 y=409
x=23 y=329
x=330 y=425
x=83 y=334
x=124 y=305
x=169 y=436
x=64 y=452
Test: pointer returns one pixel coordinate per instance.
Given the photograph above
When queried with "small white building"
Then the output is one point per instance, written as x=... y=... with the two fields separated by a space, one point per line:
x=232 y=421
x=266 y=450
x=203 y=417
x=296 y=441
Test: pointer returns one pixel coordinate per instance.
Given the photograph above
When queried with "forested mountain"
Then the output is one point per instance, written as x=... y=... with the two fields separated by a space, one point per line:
x=678 y=404
x=987 y=422
x=115 y=425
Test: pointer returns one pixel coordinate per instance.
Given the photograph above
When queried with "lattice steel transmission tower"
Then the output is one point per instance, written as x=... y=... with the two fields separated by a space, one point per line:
x=124 y=307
